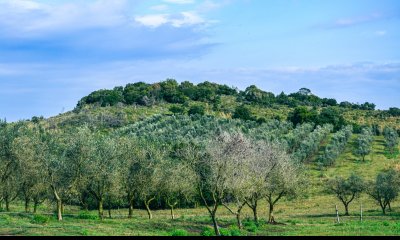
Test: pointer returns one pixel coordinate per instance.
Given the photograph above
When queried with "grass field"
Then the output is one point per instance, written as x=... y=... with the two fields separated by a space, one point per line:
x=311 y=214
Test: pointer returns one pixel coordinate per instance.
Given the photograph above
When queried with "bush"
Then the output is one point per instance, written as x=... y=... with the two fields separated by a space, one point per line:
x=179 y=232
x=250 y=226
x=40 y=219
x=235 y=231
x=207 y=232
x=87 y=215
x=177 y=109
x=197 y=109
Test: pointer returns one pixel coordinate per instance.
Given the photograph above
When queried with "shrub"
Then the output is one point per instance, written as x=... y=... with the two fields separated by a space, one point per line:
x=235 y=231
x=177 y=109
x=87 y=215
x=250 y=226
x=179 y=232
x=40 y=219
x=197 y=109
x=207 y=232
x=225 y=232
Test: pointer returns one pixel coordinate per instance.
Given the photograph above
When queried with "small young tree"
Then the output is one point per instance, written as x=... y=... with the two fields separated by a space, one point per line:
x=264 y=159
x=57 y=167
x=103 y=170
x=28 y=151
x=364 y=143
x=178 y=183
x=146 y=171
x=346 y=190
x=385 y=189
x=391 y=139
x=8 y=162
x=284 y=180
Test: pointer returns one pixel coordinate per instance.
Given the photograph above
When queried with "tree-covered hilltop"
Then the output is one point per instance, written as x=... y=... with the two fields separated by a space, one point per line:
x=126 y=105
x=171 y=91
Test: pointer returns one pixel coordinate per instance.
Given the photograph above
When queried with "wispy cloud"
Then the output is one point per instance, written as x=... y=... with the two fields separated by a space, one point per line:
x=357 y=20
x=175 y=20
x=101 y=30
x=180 y=1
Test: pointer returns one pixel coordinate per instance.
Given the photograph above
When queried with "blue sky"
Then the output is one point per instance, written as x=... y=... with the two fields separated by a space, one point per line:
x=52 y=53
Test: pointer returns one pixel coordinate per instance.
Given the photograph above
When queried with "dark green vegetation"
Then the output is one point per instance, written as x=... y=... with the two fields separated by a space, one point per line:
x=184 y=159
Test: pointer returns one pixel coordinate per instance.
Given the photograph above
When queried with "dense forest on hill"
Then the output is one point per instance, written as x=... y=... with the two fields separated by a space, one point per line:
x=168 y=145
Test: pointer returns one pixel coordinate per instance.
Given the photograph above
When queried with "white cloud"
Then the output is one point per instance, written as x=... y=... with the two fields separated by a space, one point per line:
x=380 y=33
x=154 y=20
x=175 y=20
x=161 y=7
x=179 y=1
x=22 y=17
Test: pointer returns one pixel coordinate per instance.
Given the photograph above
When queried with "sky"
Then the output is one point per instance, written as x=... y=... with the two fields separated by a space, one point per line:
x=52 y=53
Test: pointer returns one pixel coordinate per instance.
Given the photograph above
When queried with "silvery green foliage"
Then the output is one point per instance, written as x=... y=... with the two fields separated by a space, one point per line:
x=364 y=143
x=336 y=146
x=391 y=139
x=311 y=143
x=294 y=138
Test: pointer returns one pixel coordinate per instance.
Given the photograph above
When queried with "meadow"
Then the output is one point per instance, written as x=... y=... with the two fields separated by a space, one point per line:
x=312 y=213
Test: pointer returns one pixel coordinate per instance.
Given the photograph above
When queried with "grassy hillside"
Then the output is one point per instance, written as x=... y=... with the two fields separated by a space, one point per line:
x=312 y=214
x=153 y=116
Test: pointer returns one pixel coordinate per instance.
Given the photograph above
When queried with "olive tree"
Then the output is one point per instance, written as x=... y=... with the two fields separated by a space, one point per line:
x=284 y=180
x=364 y=143
x=28 y=150
x=178 y=182
x=145 y=172
x=385 y=189
x=346 y=190
x=8 y=163
x=264 y=159
x=391 y=139
x=103 y=170
x=57 y=167
x=216 y=168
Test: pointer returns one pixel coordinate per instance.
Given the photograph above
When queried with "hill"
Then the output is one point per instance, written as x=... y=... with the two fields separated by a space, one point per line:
x=147 y=147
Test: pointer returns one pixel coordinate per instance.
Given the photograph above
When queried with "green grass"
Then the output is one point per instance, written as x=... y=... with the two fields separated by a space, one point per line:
x=311 y=214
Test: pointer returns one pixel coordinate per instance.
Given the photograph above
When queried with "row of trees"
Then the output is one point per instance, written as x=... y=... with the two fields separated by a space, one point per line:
x=75 y=166
x=310 y=145
x=391 y=139
x=384 y=190
x=336 y=146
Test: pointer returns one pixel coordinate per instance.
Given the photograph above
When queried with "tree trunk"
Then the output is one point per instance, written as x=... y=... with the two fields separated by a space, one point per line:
x=130 y=214
x=172 y=212
x=62 y=208
x=255 y=214
x=35 y=206
x=109 y=212
x=27 y=205
x=346 y=207
x=239 y=220
x=172 y=206
x=7 y=204
x=390 y=208
x=101 y=209
x=147 y=203
x=216 y=228
x=271 y=219
x=59 y=211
